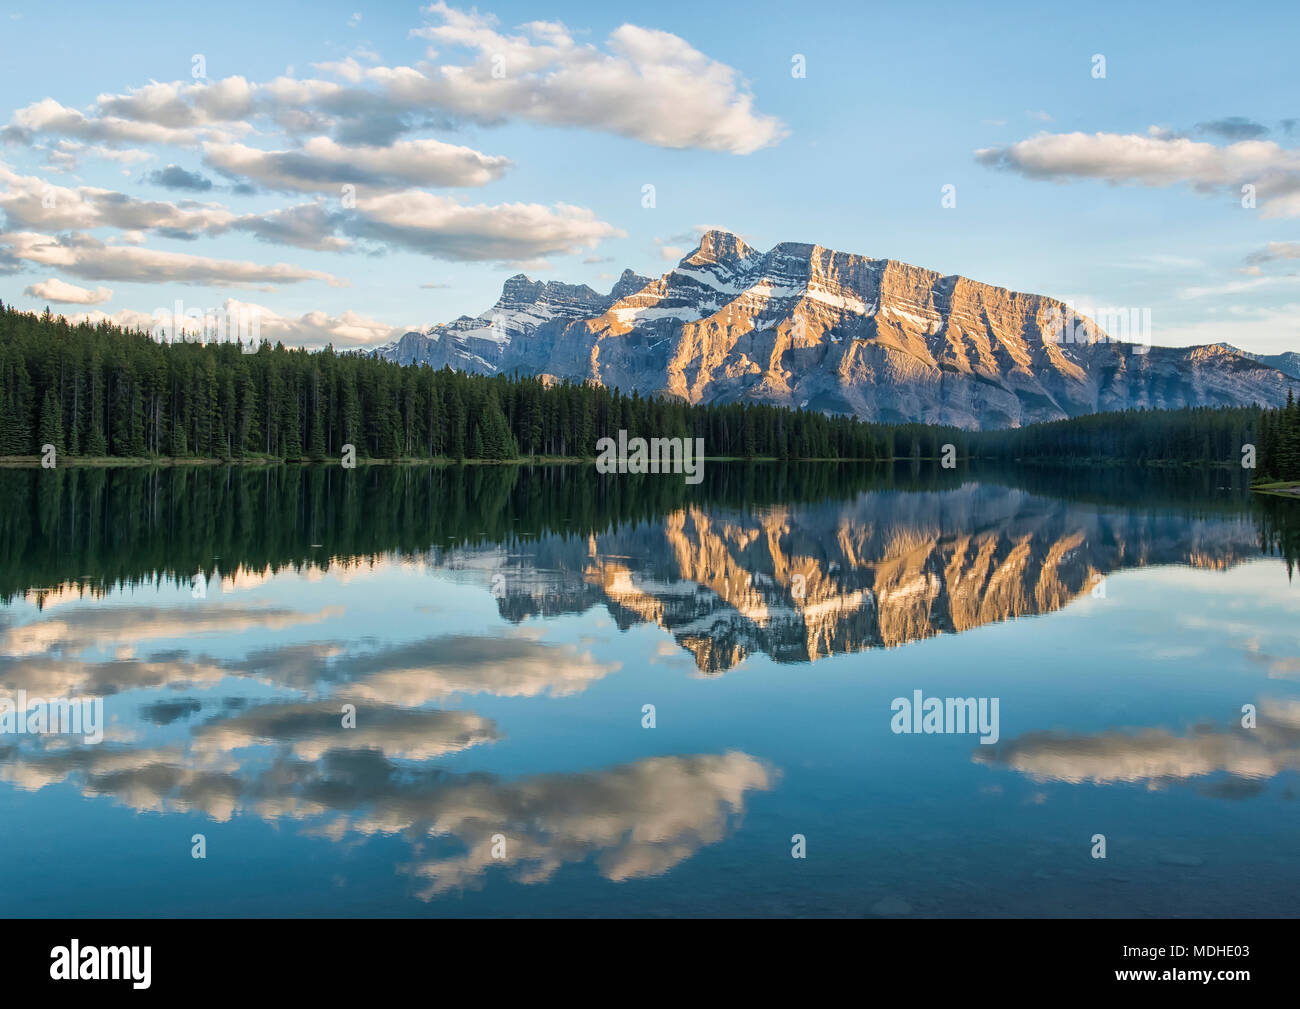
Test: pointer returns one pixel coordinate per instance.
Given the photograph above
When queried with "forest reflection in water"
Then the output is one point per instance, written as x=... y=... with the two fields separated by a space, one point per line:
x=229 y=615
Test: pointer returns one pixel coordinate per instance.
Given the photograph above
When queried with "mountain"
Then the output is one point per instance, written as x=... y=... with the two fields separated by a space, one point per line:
x=479 y=343
x=804 y=326
x=1288 y=362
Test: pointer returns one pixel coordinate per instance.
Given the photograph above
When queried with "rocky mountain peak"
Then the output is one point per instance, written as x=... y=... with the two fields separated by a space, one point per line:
x=629 y=283
x=518 y=291
x=717 y=246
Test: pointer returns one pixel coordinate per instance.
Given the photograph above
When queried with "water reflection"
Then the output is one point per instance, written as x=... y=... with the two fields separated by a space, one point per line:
x=235 y=617
x=1265 y=747
x=637 y=819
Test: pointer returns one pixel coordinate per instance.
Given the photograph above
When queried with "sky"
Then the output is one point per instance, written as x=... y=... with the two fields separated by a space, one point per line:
x=356 y=171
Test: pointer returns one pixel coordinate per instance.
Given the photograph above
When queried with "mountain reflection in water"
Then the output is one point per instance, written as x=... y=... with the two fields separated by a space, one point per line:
x=233 y=617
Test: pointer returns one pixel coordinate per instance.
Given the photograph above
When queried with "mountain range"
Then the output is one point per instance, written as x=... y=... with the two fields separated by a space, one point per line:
x=808 y=327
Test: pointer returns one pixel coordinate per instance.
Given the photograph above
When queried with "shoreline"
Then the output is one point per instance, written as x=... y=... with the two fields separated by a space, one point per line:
x=114 y=462
x=129 y=462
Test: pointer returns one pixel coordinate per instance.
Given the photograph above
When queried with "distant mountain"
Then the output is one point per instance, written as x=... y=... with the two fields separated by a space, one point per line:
x=804 y=326
x=1288 y=363
x=479 y=343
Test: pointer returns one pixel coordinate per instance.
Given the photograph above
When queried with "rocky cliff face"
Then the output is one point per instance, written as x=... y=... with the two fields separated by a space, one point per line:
x=804 y=326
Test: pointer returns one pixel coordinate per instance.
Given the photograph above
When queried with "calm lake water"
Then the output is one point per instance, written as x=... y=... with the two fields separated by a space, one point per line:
x=499 y=633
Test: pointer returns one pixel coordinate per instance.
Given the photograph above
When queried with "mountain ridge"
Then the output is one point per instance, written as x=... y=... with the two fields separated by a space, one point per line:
x=809 y=327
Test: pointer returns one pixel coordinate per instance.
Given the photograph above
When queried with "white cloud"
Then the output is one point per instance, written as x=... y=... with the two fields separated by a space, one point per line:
x=49 y=117
x=29 y=202
x=316 y=329
x=306 y=226
x=441 y=227
x=69 y=294
x=1159 y=159
x=646 y=84
x=182 y=106
x=323 y=165
x=349 y=69
x=83 y=256
x=408 y=219
x=312 y=329
x=649 y=85
x=125 y=318
x=66 y=155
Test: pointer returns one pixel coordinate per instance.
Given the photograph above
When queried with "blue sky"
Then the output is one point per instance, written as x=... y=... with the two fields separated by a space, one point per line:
x=1115 y=191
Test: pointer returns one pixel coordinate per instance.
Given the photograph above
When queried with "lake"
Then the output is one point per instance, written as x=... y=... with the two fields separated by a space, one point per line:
x=514 y=690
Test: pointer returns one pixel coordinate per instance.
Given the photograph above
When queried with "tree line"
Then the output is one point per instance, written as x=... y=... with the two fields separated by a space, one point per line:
x=1279 y=442
x=1188 y=434
x=139 y=525
x=103 y=527
x=95 y=390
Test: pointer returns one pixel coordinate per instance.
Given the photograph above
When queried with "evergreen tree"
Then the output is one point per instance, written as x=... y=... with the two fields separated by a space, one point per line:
x=51 y=428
